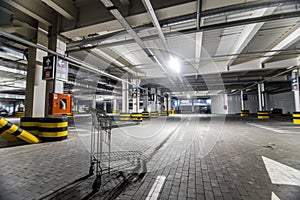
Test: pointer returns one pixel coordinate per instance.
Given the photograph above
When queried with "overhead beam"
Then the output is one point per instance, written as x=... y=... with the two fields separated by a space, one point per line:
x=249 y=31
x=283 y=44
x=155 y=22
x=80 y=63
x=36 y=10
x=114 y=11
x=65 y=8
x=242 y=22
x=198 y=17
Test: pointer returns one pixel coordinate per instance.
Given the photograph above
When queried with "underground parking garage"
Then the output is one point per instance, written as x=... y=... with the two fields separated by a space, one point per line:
x=148 y=99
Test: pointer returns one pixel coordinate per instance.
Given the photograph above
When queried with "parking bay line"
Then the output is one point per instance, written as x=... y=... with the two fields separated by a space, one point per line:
x=156 y=188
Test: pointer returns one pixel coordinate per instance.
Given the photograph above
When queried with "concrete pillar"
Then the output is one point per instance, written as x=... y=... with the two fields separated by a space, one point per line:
x=136 y=96
x=295 y=87
x=242 y=100
x=125 y=100
x=94 y=102
x=35 y=92
x=261 y=96
x=153 y=100
x=104 y=106
x=145 y=100
x=193 y=107
x=169 y=102
x=115 y=106
x=55 y=44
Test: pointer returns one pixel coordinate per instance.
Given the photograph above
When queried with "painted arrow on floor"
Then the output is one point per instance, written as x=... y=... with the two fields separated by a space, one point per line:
x=274 y=196
x=281 y=174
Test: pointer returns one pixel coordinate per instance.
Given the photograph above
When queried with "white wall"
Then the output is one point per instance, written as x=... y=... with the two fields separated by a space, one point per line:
x=252 y=103
x=285 y=101
x=233 y=103
x=217 y=104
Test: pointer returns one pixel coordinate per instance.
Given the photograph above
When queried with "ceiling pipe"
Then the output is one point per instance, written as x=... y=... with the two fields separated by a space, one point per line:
x=267 y=79
x=244 y=7
x=202 y=28
x=86 y=66
x=233 y=9
x=155 y=22
x=198 y=17
x=116 y=13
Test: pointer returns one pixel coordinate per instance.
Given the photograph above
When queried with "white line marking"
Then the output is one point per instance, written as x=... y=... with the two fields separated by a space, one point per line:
x=280 y=173
x=157 y=186
x=83 y=135
x=187 y=124
x=274 y=196
x=272 y=129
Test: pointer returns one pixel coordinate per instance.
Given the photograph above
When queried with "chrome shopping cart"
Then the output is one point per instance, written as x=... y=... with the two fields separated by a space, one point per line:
x=102 y=160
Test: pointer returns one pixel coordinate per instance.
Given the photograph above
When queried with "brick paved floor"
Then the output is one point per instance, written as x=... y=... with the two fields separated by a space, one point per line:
x=33 y=171
x=233 y=169
x=183 y=150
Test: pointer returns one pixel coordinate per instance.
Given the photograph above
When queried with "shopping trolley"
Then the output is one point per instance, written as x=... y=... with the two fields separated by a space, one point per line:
x=104 y=161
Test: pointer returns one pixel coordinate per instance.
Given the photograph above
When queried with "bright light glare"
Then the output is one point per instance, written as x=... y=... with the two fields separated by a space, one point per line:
x=174 y=64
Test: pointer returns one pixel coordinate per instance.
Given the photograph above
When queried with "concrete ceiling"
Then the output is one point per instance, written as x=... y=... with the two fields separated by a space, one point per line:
x=221 y=45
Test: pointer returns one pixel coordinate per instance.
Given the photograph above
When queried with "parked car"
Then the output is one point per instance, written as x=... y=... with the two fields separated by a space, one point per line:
x=3 y=112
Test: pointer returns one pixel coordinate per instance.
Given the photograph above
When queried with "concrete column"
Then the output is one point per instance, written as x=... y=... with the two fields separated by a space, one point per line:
x=94 y=102
x=261 y=97
x=35 y=87
x=55 y=44
x=193 y=107
x=158 y=94
x=145 y=100
x=104 y=106
x=242 y=100
x=125 y=100
x=115 y=106
x=135 y=97
x=295 y=85
x=153 y=100
x=169 y=102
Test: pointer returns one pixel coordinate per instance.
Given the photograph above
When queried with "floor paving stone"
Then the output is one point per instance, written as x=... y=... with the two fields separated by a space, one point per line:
x=232 y=169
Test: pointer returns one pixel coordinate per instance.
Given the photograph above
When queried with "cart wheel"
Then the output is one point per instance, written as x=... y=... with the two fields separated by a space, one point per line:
x=91 y=171
x=97 y=183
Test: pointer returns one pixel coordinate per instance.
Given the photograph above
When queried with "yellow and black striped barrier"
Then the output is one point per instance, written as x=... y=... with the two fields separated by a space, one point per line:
x=171 y=112
x=244 y=113
x=10 y=132
x=125 y=117
x=115 y=112
x=31 y=124
x=163 y=113
x=263 y=114
x=70 y=115
x=145 y=115
x=154 y=114
x=296 y=117
x=19 y=114
x=53 y=129
x=137 y=117
x=4 y=125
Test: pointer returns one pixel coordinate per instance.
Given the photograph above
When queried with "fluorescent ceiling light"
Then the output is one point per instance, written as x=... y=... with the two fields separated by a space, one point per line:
x=174 y=64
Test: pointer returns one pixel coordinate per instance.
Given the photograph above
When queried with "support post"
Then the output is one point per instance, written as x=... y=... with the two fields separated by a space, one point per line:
x=262 y=112
x=295 y=88
x=125 y=100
